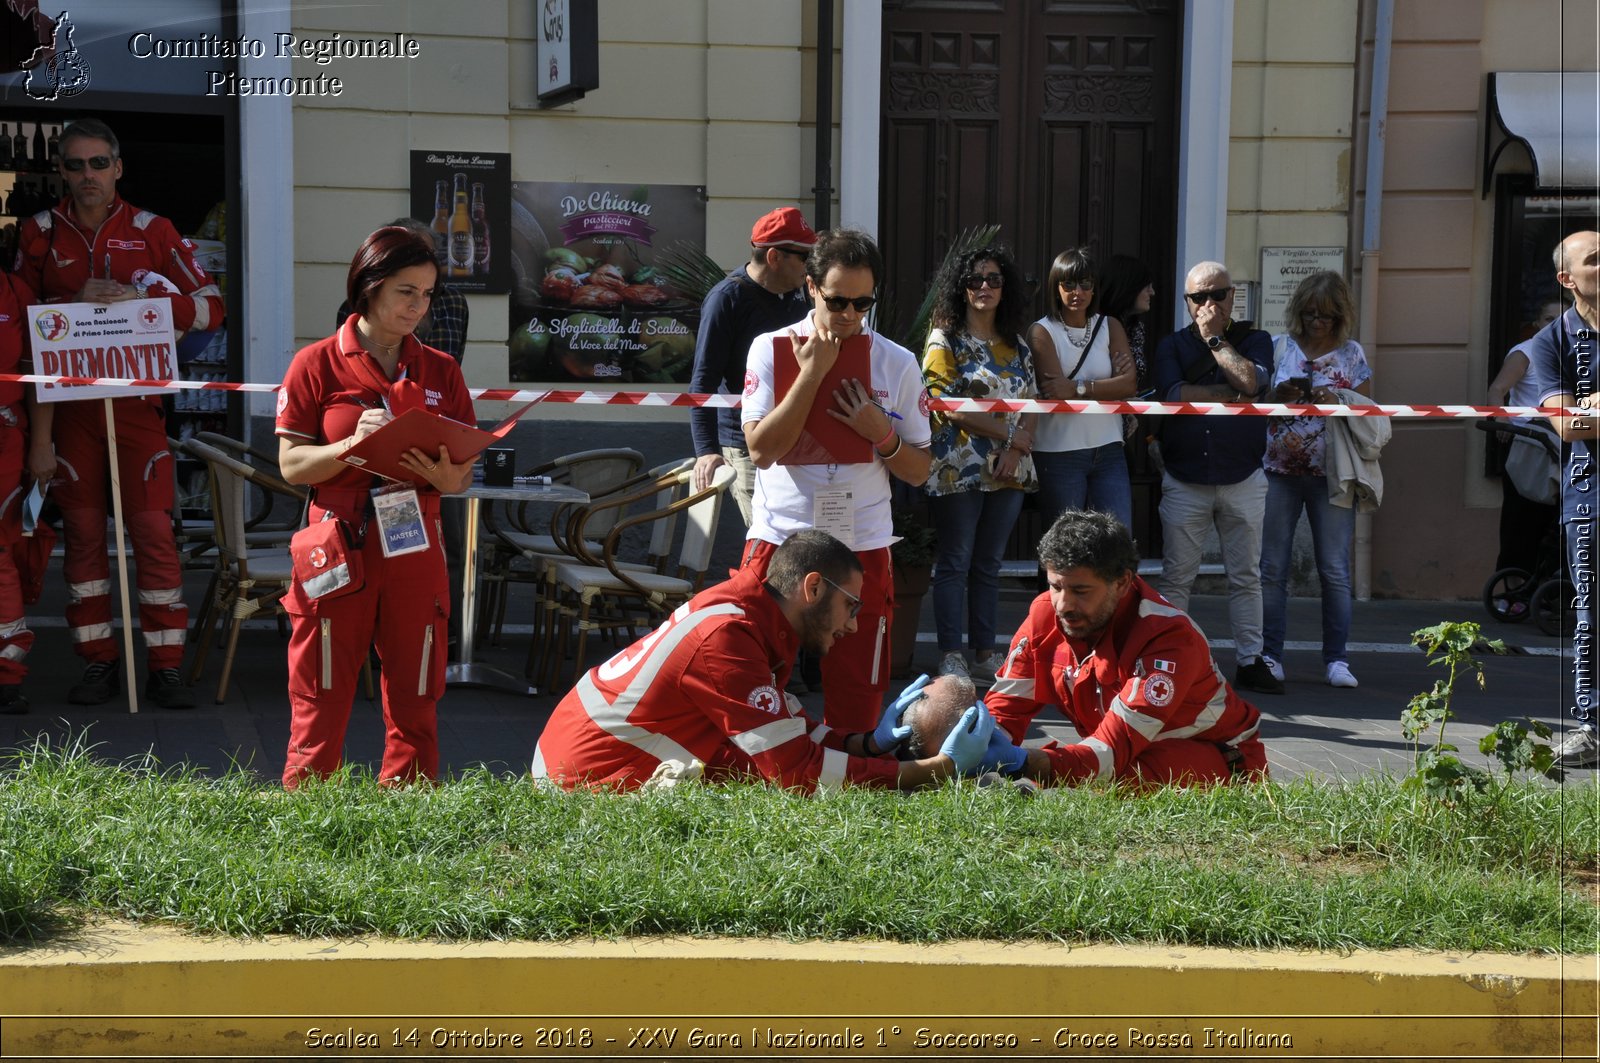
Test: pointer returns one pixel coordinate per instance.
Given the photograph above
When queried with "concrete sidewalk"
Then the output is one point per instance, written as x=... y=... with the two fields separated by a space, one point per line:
x=1312 y=729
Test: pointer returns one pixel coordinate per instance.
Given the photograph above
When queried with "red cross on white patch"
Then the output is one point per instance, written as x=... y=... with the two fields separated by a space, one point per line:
x=150 y=316
x=767 y=699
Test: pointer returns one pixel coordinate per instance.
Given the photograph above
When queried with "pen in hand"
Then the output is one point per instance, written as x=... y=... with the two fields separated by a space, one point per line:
x=887 y=411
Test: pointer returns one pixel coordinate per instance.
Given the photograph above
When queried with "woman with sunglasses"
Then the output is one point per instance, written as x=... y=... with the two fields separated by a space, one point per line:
x=1312 y=362
x=982 y=462
x=395 y=592
x=1079 y=354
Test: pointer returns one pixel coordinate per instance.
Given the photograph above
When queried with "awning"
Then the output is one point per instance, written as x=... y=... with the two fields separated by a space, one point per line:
x=1556 y=116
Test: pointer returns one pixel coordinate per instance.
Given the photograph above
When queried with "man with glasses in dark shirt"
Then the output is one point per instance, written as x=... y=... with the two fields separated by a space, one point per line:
x=1214 y=477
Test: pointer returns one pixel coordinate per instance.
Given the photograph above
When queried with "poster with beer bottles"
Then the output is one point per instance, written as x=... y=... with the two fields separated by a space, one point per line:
x=464 y=197
x=589 y=303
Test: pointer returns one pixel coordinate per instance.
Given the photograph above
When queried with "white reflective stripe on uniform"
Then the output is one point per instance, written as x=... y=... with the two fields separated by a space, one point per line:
x=612 y=716
x=13 y=629
x=820 y=733
x=93 y=588
x=163 y=596
x=1014 y=688
x=833 y=768
x=202 y=309
x=1103 y=754
x=770 y=735
x=327 y=653
x=1147 y=726
x=172 y=636
x=426 y=659
x=877 y=649
x=13 y=652
x=539 y=771
x=1208 y=716
x=90 y=632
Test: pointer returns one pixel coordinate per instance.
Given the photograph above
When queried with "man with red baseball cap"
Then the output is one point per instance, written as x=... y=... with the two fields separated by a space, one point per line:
x=761 y=296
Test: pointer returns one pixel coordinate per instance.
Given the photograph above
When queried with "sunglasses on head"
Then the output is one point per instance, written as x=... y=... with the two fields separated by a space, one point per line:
x=1085 y=285
x=1215 y=295
x=96 y=162
x=855 y=603
x=837 y=303
x=978 y=280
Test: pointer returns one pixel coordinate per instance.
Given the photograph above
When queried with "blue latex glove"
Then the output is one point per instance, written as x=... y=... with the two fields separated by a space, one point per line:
x=969 y=739
x=890 y=731
x=1003 y=755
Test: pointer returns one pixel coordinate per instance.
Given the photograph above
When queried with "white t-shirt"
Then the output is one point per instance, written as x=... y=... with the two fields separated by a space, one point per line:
x=1060 y=432
x=786 y=495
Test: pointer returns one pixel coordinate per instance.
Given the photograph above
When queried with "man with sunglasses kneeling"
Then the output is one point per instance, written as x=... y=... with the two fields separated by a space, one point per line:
x=1213 y=472
x=93 y=247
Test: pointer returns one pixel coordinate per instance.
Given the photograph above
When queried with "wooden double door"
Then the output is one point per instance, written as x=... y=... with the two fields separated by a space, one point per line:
x=1056 y=119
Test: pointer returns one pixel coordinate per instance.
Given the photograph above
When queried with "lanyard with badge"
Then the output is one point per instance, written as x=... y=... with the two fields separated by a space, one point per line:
x=396 y=508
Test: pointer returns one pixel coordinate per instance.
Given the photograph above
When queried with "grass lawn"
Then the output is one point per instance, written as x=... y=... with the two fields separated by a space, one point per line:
x=1357 y=864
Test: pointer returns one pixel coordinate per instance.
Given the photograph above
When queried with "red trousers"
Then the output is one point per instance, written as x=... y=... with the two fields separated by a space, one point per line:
x=1190 y=762
x=855 y=672
x=82 y=489
x=15 y=638
x=403 y=608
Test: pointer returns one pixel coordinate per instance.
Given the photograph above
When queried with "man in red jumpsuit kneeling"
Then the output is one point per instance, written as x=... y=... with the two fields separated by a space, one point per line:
x=1133 y=674
x=701 y=697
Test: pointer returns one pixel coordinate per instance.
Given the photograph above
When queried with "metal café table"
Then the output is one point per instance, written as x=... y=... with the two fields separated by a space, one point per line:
x=466 y=672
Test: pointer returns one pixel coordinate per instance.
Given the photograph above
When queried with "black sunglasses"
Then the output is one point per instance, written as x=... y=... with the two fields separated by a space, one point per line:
x=801 y=255
x=837 y=303
x=1312 y=315
x=1085 y=285
x=96 y=162
x=978 y=280
x=855 y=603
x=1215 y=295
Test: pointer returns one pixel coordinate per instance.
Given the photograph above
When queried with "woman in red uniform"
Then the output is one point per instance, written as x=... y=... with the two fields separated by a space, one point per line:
x=337 y=392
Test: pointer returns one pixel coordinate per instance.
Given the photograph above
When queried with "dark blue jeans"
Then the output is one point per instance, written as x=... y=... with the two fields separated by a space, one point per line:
x=973 y=528
x=1095 y=478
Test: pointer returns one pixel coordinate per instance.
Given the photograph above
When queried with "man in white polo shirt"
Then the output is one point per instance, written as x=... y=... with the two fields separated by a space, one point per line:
x=849 y=501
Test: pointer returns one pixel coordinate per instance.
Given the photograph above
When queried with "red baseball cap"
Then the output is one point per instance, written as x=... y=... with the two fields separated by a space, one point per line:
x=784 y=227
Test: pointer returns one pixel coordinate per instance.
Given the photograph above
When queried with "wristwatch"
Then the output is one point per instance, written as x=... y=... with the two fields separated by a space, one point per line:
x=1083 y=389
x=141 y=290
x=1215 y=343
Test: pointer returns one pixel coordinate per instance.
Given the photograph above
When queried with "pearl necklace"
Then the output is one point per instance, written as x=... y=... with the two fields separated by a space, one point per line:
x=1079 y=341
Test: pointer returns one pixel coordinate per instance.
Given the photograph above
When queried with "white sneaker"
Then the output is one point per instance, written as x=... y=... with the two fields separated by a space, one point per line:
x=1580 y=749
x=1339 y=675
x=991 y=662
x=1274 y=667
x=954 y=663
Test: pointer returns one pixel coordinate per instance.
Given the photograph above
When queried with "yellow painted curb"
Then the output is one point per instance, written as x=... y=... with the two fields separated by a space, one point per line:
x=129 y=992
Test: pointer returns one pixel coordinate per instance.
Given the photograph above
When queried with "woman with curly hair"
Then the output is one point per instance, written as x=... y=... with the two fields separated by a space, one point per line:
x=982 y=462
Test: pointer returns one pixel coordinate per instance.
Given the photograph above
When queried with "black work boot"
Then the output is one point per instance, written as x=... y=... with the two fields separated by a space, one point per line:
x=165 y=688
x=98 y=685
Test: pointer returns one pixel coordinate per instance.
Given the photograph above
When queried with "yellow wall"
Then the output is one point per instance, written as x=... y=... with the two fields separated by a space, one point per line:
x=692 y=92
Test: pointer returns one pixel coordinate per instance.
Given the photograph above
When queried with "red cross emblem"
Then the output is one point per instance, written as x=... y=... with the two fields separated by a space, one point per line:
x=765 y=698
x=150 y=316
x=318 y=557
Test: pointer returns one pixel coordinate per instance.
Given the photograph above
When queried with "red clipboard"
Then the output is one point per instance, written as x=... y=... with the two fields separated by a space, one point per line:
x=825 y=440
x=380 y=452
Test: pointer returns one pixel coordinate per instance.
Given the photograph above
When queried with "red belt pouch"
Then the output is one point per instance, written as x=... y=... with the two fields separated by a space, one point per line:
x=325 y=564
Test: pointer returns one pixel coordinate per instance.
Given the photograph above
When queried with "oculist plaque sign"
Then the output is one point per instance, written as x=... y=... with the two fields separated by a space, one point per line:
x=130 y=340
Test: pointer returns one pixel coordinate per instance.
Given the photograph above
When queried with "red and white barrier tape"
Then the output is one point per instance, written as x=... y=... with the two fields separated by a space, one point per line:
x=678 y=398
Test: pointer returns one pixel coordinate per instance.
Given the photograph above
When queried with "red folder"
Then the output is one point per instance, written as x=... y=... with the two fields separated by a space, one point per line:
x=380 y=452
x=825 y=440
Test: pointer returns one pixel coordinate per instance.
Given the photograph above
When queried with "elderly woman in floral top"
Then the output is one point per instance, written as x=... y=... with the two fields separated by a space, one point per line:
x=1313 y=362
x=982 y=463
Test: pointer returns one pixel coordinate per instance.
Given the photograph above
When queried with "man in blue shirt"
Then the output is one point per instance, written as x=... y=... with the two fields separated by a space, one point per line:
x=1563 y=359
x=761 y=296
x=1213 y=472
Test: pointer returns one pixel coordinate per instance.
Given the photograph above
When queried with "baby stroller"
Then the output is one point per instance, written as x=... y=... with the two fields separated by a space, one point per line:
x=1512 y=595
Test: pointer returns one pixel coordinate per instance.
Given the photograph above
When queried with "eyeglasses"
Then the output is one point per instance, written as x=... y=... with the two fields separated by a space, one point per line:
x=978 y=280
x=1215 y=295
x=801 y=255
x=1082 y=286
x=837 y=303
x=96 y=162
x=855 y=603
x=1311 y=316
